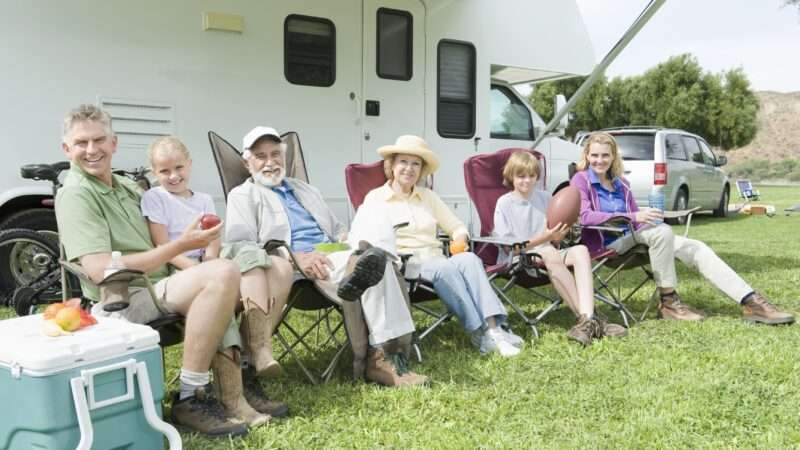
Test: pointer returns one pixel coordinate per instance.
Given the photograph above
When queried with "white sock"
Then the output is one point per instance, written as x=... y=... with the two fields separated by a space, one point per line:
x=191 y=381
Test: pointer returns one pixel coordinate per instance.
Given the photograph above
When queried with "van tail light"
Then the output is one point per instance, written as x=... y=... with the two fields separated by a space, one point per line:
x=660 y=174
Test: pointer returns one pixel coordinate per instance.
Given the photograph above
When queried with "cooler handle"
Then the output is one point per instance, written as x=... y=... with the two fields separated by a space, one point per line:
x=82 y=406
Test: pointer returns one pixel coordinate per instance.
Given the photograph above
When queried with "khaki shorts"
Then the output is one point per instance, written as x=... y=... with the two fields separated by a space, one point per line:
x=142 y=308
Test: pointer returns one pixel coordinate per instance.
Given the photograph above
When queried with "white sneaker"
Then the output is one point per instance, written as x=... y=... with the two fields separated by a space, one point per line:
x=511 y=338
x=493 y=341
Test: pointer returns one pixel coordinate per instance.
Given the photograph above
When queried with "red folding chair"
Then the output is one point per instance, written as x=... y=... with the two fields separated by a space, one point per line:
x=362 y=178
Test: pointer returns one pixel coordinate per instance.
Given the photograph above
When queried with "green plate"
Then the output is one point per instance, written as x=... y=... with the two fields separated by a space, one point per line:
x=330 y=247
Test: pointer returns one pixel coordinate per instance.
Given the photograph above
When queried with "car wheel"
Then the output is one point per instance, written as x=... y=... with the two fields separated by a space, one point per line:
x=681 y=202
x=722 y=209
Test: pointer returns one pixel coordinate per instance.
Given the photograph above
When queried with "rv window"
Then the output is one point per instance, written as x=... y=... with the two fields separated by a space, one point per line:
x=394 y=50
x=309 y=45
x=510 y=119
x=455 y=112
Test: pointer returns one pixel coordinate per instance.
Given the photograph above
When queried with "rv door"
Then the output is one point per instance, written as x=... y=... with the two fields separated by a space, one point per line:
x=393 y=100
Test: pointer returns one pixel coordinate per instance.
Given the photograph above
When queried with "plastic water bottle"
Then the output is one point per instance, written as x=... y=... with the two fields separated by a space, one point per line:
x=115 y=265
x=114 y=293
x=656 y=201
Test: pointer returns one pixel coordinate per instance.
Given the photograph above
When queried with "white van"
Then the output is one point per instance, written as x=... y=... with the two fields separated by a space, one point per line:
x=347 y=75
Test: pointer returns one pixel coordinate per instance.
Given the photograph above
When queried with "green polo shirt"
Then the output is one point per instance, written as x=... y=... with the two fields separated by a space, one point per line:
x=95 y=218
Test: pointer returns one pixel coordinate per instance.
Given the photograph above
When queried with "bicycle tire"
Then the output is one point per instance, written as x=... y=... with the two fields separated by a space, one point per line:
x=26 y=255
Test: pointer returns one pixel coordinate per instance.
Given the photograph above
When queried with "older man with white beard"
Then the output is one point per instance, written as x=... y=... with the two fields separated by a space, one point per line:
x=270 y=206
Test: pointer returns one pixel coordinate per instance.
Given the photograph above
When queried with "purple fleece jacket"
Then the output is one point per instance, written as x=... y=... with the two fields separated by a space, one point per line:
x=592 y=215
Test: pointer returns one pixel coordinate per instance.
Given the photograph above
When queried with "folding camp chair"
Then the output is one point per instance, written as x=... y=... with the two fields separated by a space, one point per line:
x=747 y=192
x=483 y=176
x=304 y=296
x=360 y=179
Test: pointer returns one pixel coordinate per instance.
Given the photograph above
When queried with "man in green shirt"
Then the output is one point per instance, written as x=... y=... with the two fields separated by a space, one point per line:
x=98 y=212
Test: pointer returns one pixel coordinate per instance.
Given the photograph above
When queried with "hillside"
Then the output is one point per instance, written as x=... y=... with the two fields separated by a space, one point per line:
x=778 y=136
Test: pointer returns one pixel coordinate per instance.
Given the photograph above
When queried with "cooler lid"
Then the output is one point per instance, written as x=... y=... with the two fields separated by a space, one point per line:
x=24 y=346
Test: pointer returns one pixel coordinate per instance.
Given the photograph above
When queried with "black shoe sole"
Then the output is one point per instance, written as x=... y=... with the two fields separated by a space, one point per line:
x=183 y=429
x=368 y=272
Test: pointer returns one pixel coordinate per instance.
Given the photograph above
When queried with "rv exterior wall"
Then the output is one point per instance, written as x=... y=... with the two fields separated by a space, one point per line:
x=153 y=57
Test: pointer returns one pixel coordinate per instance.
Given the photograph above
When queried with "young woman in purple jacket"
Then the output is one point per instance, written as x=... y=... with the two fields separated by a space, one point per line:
x=606 y=196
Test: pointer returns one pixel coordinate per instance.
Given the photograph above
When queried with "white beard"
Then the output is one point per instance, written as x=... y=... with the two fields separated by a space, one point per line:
x=269 y=181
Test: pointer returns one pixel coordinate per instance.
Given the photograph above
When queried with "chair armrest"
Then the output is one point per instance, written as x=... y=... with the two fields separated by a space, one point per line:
x=274 y=246
x=76 y=270
x=680 y=213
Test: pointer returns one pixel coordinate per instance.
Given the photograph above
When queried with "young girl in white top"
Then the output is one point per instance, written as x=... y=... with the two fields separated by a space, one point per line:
x=170 y=207
x=520 y=215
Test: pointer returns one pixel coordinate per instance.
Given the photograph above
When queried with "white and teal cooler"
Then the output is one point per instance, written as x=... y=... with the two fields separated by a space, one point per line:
x=98 y=388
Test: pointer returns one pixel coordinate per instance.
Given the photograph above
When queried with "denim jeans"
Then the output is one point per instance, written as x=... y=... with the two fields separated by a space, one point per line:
x=461 y=283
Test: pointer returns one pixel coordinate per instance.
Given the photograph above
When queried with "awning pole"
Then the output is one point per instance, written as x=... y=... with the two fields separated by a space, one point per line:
x=598 y=71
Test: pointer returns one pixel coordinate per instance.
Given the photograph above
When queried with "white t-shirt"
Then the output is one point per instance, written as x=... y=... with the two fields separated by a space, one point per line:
x=175 y=212
x=519 y=218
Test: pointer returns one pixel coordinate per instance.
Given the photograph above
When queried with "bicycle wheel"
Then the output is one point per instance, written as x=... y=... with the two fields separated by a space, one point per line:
x=26 y=256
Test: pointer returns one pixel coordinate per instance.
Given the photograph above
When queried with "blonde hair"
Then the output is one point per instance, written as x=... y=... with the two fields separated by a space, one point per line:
x=616 y=169
x=166 y=145
x=518 y=164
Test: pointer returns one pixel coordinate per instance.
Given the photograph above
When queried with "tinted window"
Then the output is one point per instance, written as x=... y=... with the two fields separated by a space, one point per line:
x=708 y=155
x=394 y=44
x=674 y=147
x=634 y=147
x=455 y=111
x=693 y=149
x=510 y=119
x=309 y=45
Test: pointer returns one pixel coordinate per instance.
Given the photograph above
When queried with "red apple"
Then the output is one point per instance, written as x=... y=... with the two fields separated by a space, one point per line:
x=209 y=221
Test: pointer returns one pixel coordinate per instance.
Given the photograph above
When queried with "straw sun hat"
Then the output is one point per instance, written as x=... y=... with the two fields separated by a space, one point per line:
x=412 y=145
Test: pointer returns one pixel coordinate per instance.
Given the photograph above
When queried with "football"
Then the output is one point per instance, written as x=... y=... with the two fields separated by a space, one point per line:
x=564 y=207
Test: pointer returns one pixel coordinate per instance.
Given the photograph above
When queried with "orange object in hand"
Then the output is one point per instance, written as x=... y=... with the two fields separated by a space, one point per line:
x=457 y=247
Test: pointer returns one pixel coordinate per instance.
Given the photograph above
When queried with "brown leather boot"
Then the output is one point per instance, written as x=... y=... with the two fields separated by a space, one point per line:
x=256 y=331
x=758 y=309
x=671 y=307
x=257 y=398
x=608 y=329
x=202 y=413
x=230 y=390
x=585 y=330
x=391 y=370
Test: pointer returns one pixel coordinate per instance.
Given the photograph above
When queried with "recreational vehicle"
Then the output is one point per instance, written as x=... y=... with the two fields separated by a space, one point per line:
x=347 y=75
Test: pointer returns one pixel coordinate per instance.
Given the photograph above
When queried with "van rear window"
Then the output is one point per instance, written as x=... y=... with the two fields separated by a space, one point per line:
x=635 y=147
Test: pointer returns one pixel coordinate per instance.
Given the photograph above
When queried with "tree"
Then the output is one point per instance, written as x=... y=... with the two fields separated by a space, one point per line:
x=676 y=93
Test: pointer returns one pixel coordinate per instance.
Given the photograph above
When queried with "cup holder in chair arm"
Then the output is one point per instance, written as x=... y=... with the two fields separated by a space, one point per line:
x=126 y=275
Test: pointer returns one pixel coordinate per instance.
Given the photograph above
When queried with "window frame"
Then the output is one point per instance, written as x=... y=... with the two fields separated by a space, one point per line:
x=409 y=43
x=689 y=153
x=707 y=152
x=439 y=101
x=322 y=20
x=514 y=100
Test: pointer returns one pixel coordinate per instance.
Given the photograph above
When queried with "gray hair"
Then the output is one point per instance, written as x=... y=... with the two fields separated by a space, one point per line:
x=86 y=113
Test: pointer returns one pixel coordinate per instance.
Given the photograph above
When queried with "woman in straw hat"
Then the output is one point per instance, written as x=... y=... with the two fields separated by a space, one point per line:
x=459 y=280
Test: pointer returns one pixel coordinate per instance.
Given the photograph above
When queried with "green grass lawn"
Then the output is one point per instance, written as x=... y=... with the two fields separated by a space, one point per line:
x=717 y=384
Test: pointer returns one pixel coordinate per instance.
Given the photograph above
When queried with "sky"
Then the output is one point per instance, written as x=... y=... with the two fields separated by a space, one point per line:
x=758 y=35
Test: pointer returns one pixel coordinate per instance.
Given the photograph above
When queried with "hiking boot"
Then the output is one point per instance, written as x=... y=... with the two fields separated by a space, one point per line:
x=256 y=331
x=228 y=386
x=257 y=398
x=391 y=370
x=608 y=329
x=493 y=340
x=756 y=308
x=202 y=413
x=671 y=307
x=585 y=330
x=363 y=272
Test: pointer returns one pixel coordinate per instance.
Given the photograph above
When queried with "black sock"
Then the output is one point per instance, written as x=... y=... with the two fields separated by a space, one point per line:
x=746 y=297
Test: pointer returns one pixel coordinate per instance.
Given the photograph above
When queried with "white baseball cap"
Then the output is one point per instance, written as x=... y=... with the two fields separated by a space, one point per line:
x=257 y=133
